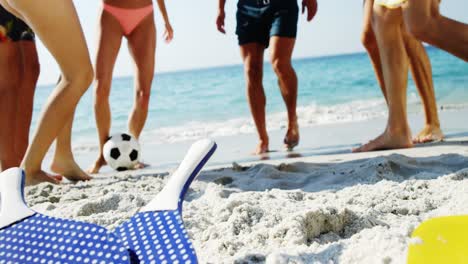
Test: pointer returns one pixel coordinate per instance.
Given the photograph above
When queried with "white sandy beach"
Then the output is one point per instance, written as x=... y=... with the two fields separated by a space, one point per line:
x=318 y=204
x=316 y=139
x=341 y=208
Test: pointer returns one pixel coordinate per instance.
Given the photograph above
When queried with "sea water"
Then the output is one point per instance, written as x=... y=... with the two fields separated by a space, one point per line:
x=212 y=102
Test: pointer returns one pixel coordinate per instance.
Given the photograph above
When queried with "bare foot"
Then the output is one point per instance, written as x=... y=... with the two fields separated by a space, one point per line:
x=70 y=170
x=429 y=133
x=387 y=141
x=100 y=162
x=140 y=165
x=291 y=140
x=262 y=147
x=33 y=178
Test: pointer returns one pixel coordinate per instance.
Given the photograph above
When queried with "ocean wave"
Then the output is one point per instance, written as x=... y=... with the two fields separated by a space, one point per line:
x=308 y=116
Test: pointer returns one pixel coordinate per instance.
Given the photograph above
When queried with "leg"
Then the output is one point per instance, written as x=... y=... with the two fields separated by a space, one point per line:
x=425 y=22
x=421 y=69
x=282 y=49
x=252 y=55
x=422 y=75
x=370 y=43
x=110 y=39
x=64 y=163
x=10 y=67
x=25 y=102
x=387 y=26
x=61 y=33
x=142 y=46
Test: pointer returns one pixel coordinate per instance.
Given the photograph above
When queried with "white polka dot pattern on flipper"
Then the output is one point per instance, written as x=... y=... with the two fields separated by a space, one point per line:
x=157 y=237
x=44 y=239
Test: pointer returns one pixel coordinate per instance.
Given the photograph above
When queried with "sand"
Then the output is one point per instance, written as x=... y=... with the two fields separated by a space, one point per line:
x=316 y=140
x=343 y=208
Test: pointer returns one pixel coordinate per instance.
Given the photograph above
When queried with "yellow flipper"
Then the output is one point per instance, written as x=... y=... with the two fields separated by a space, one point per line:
x=440 y=240
x=392 y=3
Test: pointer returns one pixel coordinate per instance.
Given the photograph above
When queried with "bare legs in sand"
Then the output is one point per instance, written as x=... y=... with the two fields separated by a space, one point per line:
x=62 y=35
x=391 y=57
x=254 y=34
x=281 y=53
x=142 y=47
x=19 y=66
x=423 y=20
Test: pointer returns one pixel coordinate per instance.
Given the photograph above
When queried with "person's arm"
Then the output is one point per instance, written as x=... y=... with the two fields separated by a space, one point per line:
x=169 y=32
x=311 y=6
x=221 y=16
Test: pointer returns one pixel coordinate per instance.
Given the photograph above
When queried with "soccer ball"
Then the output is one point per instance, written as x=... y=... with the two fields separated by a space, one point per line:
x=122 y=152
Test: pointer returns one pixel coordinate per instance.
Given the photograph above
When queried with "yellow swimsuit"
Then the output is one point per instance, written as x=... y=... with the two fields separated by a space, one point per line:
x=391 y=3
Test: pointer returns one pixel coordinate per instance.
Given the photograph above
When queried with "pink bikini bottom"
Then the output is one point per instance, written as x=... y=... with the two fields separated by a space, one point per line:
x=129 y=19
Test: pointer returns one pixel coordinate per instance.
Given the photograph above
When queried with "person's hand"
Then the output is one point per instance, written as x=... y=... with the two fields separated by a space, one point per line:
x=311 y=6
x=220 y=22
x=168 y=33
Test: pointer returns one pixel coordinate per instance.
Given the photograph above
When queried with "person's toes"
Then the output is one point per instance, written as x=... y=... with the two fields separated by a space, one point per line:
x=70 y=170
x=356 y=150
x=140 y=165
x=417 y=140
x=291 y=139
x=290 y=144
x=429 y=134
x=52 y=180
x=422 y=139
x=40 y=177
x=93 y=170
x=428 y=138
x=261 y=150
x=77 y=175
x=96 y=167
x=57 y=177
x=364 y=148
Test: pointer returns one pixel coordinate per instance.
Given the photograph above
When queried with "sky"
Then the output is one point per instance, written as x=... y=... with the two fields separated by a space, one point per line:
x=197 y=44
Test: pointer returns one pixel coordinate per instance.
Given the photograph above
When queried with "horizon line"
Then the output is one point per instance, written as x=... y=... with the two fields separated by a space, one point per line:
x=237 y=65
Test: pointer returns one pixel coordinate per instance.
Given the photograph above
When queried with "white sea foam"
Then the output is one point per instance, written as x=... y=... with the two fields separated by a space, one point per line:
x=308 y=116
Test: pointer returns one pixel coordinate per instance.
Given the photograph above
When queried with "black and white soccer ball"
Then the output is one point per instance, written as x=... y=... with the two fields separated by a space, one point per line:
x=122 y=152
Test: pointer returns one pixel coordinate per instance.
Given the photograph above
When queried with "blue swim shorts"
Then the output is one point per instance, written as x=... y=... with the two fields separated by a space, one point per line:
x=258 y=20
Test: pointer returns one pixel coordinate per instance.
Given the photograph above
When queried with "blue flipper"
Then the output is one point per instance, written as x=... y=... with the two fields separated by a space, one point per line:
x=157 y=234
x=29 y=237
